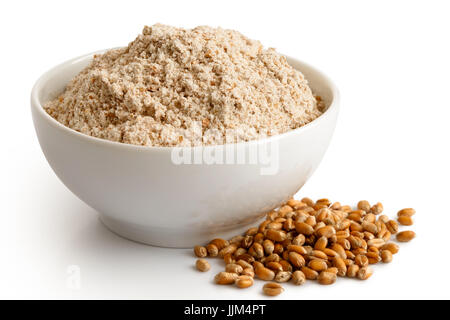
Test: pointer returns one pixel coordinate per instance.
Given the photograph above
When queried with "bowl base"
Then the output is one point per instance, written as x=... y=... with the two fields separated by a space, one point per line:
x=171 y=238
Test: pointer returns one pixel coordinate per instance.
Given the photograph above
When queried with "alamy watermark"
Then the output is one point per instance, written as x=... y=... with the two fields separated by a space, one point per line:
x=228 y=149
x=73 y=280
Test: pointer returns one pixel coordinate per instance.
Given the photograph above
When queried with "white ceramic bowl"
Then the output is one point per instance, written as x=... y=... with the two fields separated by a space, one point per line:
x=142 y=195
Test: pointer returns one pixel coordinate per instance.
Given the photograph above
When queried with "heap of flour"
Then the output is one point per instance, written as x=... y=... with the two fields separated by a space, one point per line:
x=178 y=87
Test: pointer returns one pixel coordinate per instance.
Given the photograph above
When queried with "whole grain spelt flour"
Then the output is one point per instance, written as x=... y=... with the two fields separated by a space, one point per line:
x=171 y=86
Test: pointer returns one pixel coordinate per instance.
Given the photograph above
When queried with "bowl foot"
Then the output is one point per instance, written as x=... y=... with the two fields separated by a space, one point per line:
x=171 y=238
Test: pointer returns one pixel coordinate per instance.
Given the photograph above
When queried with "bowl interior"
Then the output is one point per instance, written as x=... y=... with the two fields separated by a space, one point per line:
x=54 y=81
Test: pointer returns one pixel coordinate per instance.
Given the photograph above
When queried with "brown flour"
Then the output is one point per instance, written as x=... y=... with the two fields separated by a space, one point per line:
x=171 y=86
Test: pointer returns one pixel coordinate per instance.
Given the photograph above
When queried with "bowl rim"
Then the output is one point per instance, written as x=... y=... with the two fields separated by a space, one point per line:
x=38 y=107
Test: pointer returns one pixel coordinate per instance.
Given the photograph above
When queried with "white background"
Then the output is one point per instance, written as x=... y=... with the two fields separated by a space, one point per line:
x=390 y=60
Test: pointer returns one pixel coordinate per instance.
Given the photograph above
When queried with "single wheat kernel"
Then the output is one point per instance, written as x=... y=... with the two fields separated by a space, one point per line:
x=327 y=278
x=323 y=214
x=247 y=241
x=202 y=265
x=343 y=234
x=386 y=256
x=295 y=248
x=308 y=249
x=321 y=243
x=246 y=257
x=258 y=238
x=228 y=258
x=350 y=254
x=228 y=249
x=268 y=246
x=377 y=243
x=285 y=209
x=406 y=212
x=373 y=249
x=200 y=251
x=276 y=235
x=370 y=217
x=225 y=278
x=299 y=240
x=283 y=276
x=358 y=234
x=330 y=253
x=248 y=272
x=358 y=251
x=244 y=264
x=405 y=236
x=383 y=218
x=368 y=235
x=336 y=206
x=348 y=262
x=237 y=240
x=256 y=250
x=392 y=247
x=339 y=263
x=234 y=268
x=286 y=265
x=356 y=216
x=405 y=220
x=365 y=273
x=352 y=271
x=251 y=231
x=239 y=252
x=319 y=254
x=285 y=255
x=296 y=259
x=387 y=236
x=309 y=273
x=272 y=258
x=318 y=265
x=357 y=242
x=364 y=205
x=377 y=208
x=344 y=243
x=212 y=250
x=392 y=226
x=339 y=249
x=373 y=257
x=370 y=227
x=323 y=201
x=304 y=228
x=298 y=278
x=244 y=281
x=361 y=260
x=264 y=273
x=346 y=208
x=257 y=264
x=274 y=226
x=327 y=231
x=382 y=233
x=272 y=289
x=311 y=220
x=333 y=270
x=278 y=248
x=355 y=226
x=308 y=201
x=219 y=243
x=296 y=204
x=274 y=266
